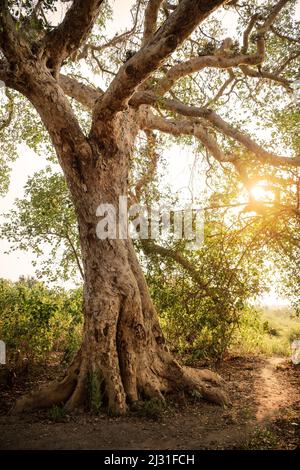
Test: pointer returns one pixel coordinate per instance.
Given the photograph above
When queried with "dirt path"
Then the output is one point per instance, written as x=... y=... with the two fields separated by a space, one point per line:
x=265 y=403
x=271 y=391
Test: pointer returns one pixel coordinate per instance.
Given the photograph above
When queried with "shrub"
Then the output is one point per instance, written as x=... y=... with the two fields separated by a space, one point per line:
x=36 y=320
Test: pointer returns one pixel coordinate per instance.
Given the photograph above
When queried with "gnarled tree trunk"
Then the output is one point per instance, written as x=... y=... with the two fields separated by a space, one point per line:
x=122 y=339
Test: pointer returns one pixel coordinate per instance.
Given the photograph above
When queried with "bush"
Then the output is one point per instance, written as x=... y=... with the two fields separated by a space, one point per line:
x=194 y=326
x=266 y=332
x=36 y=320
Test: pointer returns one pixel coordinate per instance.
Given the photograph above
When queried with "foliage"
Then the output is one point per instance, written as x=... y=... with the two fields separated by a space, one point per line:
x=44 y=221
x=36 y=320
x=57 y=414
x=151 y=409
x=95 y=392
x=268 y=331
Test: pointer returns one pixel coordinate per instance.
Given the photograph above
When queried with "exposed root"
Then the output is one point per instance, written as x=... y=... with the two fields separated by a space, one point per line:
x=79 y=393
x=163 y=376
x=215 y=395
x=208 y=383
x=55 y=393
x=177 y=378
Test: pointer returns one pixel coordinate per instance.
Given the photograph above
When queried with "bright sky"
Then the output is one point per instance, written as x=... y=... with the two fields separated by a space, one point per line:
x=179 y=170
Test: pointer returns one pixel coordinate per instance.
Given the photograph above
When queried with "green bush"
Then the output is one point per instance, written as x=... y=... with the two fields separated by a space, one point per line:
x=266 y=331
x=195 y=326
x=36 y=320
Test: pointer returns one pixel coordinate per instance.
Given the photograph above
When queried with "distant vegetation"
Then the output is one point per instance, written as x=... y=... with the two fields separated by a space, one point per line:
x=37 y=322
x=270 y=331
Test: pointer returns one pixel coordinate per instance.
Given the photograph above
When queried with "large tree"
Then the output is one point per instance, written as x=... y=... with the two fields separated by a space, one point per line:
x=122 y=340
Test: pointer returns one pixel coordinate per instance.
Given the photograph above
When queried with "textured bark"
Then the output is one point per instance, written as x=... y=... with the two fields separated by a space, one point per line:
x=122 y=342
x=122 y=339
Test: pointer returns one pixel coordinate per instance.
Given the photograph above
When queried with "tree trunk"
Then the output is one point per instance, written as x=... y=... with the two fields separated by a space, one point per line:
x=123 y=346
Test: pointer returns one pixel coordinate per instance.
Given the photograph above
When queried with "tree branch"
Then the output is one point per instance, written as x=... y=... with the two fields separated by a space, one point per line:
x=151 y=169
x=222 y=126
x=186 y=127
x=150 y=22
x=150 y=248
x=247 y=33
x=222 y=89
x=113 y=41
x=3 y=71
x=84 y=94
x=76 y=255
x=66 y=38
x=197 y=64
x=10 y=43
x=174 y=31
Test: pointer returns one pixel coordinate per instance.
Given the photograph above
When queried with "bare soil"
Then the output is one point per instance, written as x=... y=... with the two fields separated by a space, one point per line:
x=265 y=414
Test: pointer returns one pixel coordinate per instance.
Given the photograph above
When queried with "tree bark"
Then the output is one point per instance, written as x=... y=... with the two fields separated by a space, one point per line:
x=122 y=344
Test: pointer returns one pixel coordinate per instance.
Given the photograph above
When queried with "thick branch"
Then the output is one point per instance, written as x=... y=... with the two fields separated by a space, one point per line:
x=73 y=31
x=197 y=64
x=222 y=61
x=174 y=31
x=274 y=77
x=272 y=16
x=150 y=22
x=10 y=40
x=84 y=94
x=247 y=33
x=6 y=122
x=219 y=124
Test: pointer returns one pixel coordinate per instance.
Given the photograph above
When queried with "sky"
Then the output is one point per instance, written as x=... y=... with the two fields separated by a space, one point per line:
x=179 y=170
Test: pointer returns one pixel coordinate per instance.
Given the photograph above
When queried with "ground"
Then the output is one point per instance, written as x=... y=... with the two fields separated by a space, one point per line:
x=265 y=414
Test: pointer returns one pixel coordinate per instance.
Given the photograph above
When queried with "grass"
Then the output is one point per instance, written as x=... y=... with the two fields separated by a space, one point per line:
x=95 y=392
x=150 y=409
x=281 y=329
x=269 y=331
x=261 y=439
x=57 y=413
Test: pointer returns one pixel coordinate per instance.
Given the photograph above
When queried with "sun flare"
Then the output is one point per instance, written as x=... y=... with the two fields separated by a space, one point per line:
x=261 y=193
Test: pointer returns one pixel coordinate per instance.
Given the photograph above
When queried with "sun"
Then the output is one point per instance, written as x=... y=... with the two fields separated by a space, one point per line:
x=260 y=192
